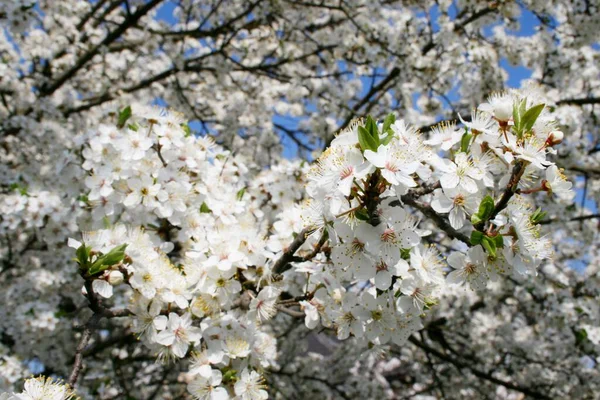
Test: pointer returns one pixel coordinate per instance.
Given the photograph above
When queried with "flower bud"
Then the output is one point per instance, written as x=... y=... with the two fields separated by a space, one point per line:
x=555 y=137
x=503 y=110
x=115 y=278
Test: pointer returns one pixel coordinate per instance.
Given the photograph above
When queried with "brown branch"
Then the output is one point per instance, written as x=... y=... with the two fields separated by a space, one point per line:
x=509 y=191
x=580 y=101
x=291 y=313
x=318 y=246
x=282 y=264
x=580 y=218
x=99 y=312
x=440 y=221
x=85 y=338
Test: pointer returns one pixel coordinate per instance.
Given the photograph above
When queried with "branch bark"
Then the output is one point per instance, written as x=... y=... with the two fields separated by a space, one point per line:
x=282 y=264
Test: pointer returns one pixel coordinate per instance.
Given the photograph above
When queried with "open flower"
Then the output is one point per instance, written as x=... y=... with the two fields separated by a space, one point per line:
x=251 y=386
x=395 y=168
x=470 y=268
x=202 y=388
x=179 y=334
x=456 y=203
x=461 y=173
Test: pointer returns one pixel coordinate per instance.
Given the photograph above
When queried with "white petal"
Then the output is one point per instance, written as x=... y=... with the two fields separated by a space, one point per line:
x=75 y=244
x=457 y=218
x=103 y=288
x=449 y=180
x=383 y=280
x=441 y=203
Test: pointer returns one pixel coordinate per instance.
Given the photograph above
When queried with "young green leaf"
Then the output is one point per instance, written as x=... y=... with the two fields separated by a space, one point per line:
x=116 y=255
x=186 y=129
x=361 y=215
x=486 y=207
x=530 y=116
x=205 y=209
x=476 y=237
x=465 y=141
x=240 y=194
x=124 y=115
x=489 y=245
x=499 y=241
x=83 y=255
x=371 y=127
x=366 y=141
x=387 y=123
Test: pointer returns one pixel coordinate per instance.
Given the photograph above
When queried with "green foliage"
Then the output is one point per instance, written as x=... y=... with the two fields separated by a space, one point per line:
x=387 y=128
x=523 y=118
x=103 y=262
x=486 y=208
x=476 y=237
x=465 y=141
x=240 y=194
x=124 y=115
x=368 y=136
x=205 y=209
x=361 y=215
x=186 y=129
x=537 y=216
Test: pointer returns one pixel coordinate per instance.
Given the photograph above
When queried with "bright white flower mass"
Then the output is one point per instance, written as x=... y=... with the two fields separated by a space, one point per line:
x=448 y=249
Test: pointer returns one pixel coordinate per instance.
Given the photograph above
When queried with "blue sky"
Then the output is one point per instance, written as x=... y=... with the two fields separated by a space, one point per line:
x=516 y=73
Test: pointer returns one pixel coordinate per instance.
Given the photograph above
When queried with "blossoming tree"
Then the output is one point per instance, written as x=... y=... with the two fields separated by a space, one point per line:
x=435 y=234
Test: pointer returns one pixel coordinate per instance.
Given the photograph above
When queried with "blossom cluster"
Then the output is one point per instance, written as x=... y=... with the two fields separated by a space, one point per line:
x=173 y=225
x=152 y=179
x=370 y=188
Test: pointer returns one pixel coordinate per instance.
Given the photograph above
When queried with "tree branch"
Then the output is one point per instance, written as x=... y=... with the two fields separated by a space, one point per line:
x=480 y=374
x=281 y=265
x=47 y=90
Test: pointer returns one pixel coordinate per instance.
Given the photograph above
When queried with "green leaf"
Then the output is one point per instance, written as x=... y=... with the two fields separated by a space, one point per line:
x=465 y=141
x=386 y=140
x=240 y=194
x=361 y=215
x=21 y=189
x=371 y=127
x=580 y=336
x=205 y=209
x=499 y=240
x=405 y=254
x=387 y=123
x=124 y=115
x=366 y=141
x=537 y=216
x=476 y=237
x=83 y=254
x=98 y=266
x=115 y=256
x=516 y=117
x=530 y=116
x=489 y=245
x=518 y=112
x=486 y=207
x=186 y=129
x=229 y=375
x=475 y=219
x=133 y=127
